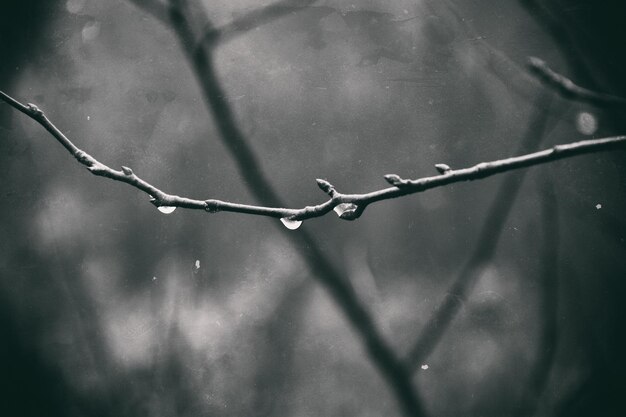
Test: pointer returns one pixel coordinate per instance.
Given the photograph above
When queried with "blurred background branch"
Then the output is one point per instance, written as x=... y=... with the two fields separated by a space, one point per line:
x=569 y=89
x=485 y=246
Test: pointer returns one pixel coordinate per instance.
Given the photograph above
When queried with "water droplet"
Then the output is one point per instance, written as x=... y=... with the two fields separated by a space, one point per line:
x=424 y=367
x=197 y=264
x=586 y=123
x=91 y=31
x=154 y=278
x=291 y=224
x=166 y=209
x=343 y=207
x=598 y=206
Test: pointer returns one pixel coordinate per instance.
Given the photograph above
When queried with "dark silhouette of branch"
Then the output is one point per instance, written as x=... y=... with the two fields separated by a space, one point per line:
x=351 y=205
x=562 y=36
x=569 y=89
x=548 y=307
x=512 y=76
x=433 y=331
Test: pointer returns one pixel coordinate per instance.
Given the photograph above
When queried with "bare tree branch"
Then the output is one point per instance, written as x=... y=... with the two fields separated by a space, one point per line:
x=252 y=20
x=569 y=89
x=511 y=75
x=553 y=23
x=353 y=204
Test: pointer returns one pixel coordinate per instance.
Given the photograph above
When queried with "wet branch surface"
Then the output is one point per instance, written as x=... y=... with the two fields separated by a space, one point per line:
x=358 y=202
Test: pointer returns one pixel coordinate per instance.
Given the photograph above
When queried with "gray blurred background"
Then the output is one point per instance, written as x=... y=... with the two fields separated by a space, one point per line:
x=110 y=308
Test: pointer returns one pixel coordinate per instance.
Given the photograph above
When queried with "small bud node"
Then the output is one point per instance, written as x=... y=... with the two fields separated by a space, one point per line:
x=326 y=186
x=443 y=168
x=394 y=180
x=211 y=206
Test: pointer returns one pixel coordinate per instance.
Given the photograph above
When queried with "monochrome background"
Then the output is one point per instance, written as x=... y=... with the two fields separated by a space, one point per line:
x=109 y=307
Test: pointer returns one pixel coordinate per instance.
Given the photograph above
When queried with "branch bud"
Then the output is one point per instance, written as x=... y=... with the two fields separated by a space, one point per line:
x=127 y=171
x=212 y=206
x=394 y=180
x=326 y=187
x=35 y=111
x=443 y=168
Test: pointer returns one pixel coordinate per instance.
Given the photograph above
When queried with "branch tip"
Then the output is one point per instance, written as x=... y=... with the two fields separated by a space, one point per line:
x=325 y=186
x=535 y=62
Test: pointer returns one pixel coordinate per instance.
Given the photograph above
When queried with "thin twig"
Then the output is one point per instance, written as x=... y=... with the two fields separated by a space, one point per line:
x=251 y=20
x=569 y=89
x=548 y=306
x=511 y=76
x=401 y=187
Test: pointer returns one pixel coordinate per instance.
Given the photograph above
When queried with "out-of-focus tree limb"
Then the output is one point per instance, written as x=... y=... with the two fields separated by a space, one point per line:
x=401 y=187
x=569 y=89
x=251 y=20
x=548 y=305
x=434 y=329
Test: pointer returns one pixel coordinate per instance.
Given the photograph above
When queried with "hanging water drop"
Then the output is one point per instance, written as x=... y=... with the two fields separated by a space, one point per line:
x=166 y=209
x=344 y=207
x=291 y=224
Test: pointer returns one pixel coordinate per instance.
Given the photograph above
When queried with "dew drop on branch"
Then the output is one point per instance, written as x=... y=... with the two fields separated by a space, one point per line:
x=291 y=224
x=197 y=264
x=166 y=209
x=424 y=367
x=343 y=207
